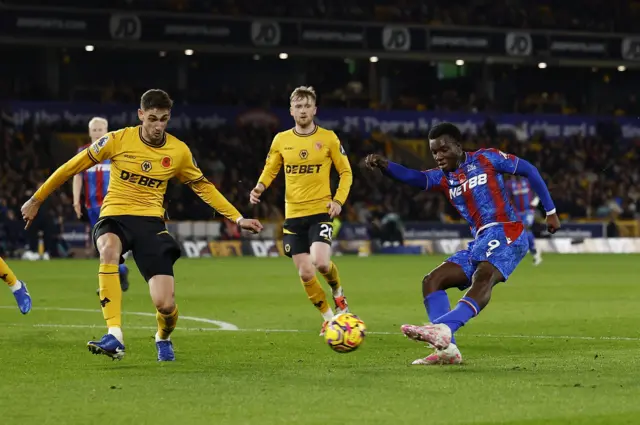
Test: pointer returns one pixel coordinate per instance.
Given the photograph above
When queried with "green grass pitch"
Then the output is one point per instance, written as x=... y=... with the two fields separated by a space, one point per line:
x=559 y=344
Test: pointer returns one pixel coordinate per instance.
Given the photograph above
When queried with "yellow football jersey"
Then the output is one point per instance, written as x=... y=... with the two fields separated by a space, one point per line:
x=307 y=160
x=140 y=173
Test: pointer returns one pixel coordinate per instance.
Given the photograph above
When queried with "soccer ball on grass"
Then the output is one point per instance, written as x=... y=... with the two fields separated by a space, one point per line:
x=345 y=332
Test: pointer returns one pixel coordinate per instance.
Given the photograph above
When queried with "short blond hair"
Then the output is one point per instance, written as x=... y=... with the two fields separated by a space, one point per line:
x=303 y=92
x=99 y=120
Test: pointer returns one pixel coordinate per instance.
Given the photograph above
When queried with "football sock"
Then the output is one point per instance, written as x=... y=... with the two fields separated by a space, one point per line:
x=166 y=324
x=111 y=297
x=532 y=242
x=332 y=277
x=317 y=297
x=437 y=305
x=7 y=275
x=123 y=269
x=464 y=311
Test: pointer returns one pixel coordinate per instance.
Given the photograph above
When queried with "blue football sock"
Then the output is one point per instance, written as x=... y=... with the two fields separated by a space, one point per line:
x=437 y=305
x=532 y=242
x=123 y=269
x=465 y=310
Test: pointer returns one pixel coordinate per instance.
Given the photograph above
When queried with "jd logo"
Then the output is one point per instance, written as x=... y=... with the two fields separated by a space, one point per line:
x=518 y=44
x=265 y=33
x=396 y=38
x=125 y=27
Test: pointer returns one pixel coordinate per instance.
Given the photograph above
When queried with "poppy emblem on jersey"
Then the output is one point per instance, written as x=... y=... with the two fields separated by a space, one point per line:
x=99 y=144
x=318 y=146
x=146 y=166
x=166 y=162
x=304 y=154
x=462 y=177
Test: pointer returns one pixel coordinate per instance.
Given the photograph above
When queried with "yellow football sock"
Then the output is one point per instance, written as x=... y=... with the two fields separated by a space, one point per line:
x=166 y=323
x=332 y=277
x=110 y=295
x=317 y=296
x=6 y=274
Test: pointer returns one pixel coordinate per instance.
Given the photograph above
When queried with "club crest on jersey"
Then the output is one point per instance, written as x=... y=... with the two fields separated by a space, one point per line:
x=318 y=146
x=99 y=144
x=166 y=162
x=304 y=154
x=468 y=185
x=146 y=166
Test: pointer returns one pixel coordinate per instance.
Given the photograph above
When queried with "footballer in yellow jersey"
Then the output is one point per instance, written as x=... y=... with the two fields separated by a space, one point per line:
x=307 y=153
x=143 y=160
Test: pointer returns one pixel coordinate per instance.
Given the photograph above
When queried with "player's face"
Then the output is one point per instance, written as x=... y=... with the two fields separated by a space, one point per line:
x=303 y=110
x=97 y=129
x=446 y=152
x=154 y=123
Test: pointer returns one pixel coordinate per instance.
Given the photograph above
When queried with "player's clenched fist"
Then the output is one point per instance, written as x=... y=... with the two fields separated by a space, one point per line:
x=254 y=196
x=374 y=161
x=553 y=223
x=250 y=224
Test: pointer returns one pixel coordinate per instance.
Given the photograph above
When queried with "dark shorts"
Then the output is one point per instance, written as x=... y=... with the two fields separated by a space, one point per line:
x=301 y=232
x=154 y=249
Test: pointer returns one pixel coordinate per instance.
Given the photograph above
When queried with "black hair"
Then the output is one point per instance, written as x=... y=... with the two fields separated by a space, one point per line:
x=445 y=129
x=155 y=99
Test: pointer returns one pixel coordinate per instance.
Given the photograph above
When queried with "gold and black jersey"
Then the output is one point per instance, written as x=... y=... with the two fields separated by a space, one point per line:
x=307 y=161
x=140 y=172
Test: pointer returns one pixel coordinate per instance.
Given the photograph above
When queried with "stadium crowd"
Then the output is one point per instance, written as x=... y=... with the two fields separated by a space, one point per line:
x=588 y=177
x=591 y=15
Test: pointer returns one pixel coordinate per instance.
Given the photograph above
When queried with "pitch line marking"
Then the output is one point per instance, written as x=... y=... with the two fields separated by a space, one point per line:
x=222 y=326
x=225 y=326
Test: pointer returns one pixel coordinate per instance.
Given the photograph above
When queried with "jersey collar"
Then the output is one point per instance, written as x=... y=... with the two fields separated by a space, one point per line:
x=164 y=139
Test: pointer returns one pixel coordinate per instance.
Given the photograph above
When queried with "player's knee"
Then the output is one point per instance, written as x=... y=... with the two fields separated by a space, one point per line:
x=323 y=266
x=306 y=272
x=165 y=306
x=110 y=248
x=431 y=283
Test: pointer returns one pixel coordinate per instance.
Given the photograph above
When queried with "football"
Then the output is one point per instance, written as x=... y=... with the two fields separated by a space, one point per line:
x=345 y=332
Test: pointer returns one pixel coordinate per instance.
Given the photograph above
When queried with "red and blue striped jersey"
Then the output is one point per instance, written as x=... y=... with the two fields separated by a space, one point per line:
x=521 y=194
x=96 y=183
x=476 y=189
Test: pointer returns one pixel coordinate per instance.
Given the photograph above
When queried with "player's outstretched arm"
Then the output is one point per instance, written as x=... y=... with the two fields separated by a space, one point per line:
x=75 y=165
x=397 y=172
x=208 y=193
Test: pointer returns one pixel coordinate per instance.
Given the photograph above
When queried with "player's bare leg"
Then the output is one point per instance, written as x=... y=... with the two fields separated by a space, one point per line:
x=307 y=273
x=111 y=344
x=321 y=259
x=439 y=334
x=162 y=290
x=447 y=275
